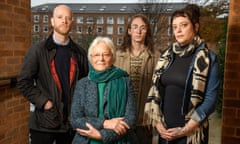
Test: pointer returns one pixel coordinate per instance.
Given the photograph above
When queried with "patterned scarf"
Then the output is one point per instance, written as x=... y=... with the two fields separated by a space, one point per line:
x=152 y=111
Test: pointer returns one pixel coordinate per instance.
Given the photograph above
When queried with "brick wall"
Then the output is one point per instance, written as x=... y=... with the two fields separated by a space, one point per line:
x=14 y=113
x=15 y=26
x=231 y=101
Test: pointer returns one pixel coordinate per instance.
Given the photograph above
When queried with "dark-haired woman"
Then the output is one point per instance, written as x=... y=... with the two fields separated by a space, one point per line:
x=185 y=84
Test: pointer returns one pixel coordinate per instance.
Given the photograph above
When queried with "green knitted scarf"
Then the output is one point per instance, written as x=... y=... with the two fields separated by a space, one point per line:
x=116 y=88
x=117 y=92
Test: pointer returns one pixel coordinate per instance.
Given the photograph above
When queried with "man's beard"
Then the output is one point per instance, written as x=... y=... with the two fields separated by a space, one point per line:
x=65 y=32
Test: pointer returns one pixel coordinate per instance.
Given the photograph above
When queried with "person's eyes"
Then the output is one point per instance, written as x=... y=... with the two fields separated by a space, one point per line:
x=66 y=18
x=174 y=27
x=134 y=27
x=59 y=17
x=105 y=55
x=183 y=25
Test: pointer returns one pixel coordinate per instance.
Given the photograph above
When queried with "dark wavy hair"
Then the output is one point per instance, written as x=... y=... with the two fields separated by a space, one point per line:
x=127 y=38
x=191 y=11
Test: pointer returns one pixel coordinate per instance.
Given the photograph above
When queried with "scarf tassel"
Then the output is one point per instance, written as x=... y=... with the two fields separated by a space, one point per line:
x=152 y=113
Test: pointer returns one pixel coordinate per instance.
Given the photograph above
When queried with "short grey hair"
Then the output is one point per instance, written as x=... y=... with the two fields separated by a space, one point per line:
x=105 y=40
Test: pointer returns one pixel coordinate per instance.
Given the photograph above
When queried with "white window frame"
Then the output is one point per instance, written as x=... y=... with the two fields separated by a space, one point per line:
x=89 y=28
x=109 y=30
x=120 y=30
x=110 y=20
x=36 y=18
x=99 y=29
x=100 y=20
x=120 y=20
x=45 y=19
x=119 y=41
x=79 y=29
x=80 y=19
x=90 y=20
x=45 y=28
x=36 y=27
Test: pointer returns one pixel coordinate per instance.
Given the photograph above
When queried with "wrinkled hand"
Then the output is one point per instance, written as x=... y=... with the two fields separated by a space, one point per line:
x=116 y=124
x=92 y=132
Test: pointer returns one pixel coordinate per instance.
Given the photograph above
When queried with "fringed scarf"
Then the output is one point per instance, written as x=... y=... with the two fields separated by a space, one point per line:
x=152 y=111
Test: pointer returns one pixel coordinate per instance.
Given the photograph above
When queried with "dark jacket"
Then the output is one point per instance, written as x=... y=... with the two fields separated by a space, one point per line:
x=85 y=109
x=38 y=81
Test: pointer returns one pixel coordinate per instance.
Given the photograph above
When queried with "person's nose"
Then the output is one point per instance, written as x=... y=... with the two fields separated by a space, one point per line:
x=101 y=57
x=65 y=20
x=178 y=29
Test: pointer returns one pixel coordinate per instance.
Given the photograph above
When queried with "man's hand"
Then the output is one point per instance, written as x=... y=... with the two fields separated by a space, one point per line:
x=48 y=105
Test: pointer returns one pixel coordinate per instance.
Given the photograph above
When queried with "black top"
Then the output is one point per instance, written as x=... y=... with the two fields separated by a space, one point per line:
x=173 y=81
x=62 y=63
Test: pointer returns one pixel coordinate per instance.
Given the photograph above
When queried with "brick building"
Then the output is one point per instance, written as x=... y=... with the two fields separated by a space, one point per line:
x=91 y=20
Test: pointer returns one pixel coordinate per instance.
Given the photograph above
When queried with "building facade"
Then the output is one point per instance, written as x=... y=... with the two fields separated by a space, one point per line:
x=91 y=20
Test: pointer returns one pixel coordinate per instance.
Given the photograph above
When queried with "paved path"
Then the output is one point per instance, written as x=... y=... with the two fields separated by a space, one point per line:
x=215 y=129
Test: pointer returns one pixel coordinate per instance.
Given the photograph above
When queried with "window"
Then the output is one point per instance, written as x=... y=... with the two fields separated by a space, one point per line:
x=109 y=30
x=89 y=20
x=120 y=30
x=155 y=30
x=79 y=19
x=120 y=20
x=100 y=20
x=110 y=20
x=45 y=28
x=99 y=29
x=36 y=18
x=153 y=20
x=170 y=33
x=36 y=28
x=79 y=29
x=129 y=19
x=45 y=19
x=119 y=41
x=89 y=30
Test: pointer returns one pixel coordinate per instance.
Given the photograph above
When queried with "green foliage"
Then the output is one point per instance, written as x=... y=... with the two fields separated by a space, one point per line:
x=210 y=25
x=35 y=38
x=211 y=29
x=221 y=57
x=214 y=30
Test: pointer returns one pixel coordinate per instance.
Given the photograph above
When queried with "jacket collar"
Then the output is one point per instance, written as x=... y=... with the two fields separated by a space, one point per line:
x=50 y=43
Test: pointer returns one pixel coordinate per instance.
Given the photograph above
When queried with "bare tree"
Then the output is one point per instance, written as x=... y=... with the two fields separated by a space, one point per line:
x=88 y=32
x=158 y=12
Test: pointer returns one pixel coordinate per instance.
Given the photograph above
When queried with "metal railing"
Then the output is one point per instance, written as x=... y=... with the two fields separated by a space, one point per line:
x=8 y=80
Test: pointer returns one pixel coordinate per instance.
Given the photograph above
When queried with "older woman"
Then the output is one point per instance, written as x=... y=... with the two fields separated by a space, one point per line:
x=185 y=84
x=103 y=108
